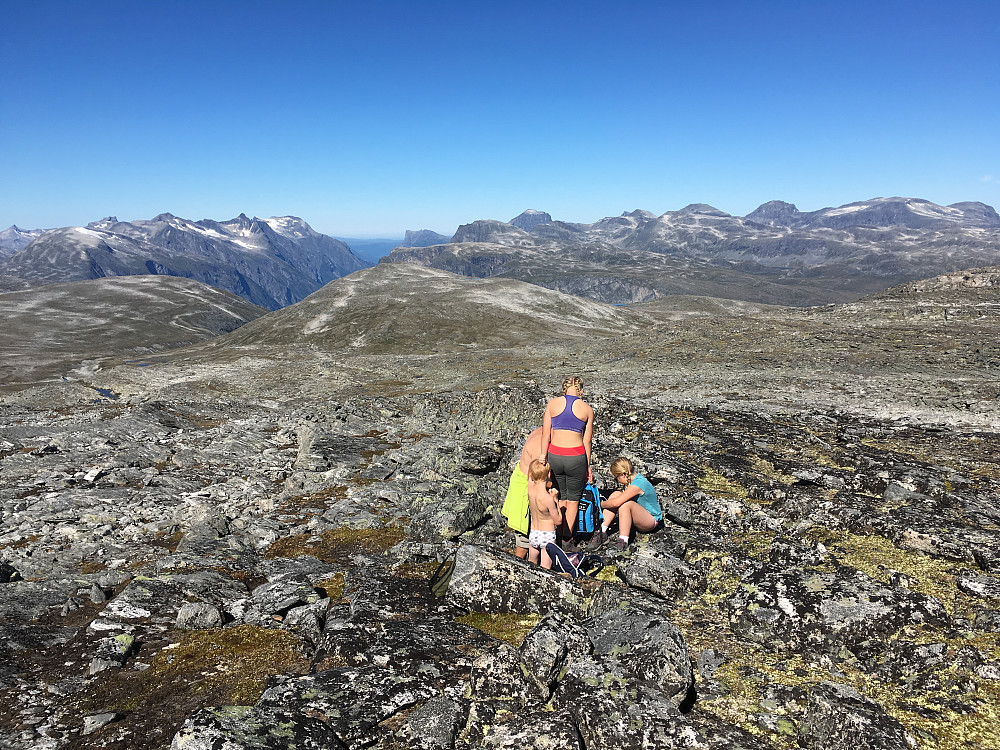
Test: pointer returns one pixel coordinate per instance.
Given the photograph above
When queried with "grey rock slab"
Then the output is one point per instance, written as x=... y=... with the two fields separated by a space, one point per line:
x=550 y=645
x=497 y=676
x=485 y=581
x=794 y=608
x=984 y=587
x=111 y=653
x=645 y=650
x=434 y=725
x=838 y=717
x=450 y=517
x=660 y=573
x=198 y=616
x=94 y=722
x=539 y=729
x=282 y=594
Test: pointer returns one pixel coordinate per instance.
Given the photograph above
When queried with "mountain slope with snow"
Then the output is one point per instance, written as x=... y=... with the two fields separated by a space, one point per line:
x=776 y=254
x=270 y=262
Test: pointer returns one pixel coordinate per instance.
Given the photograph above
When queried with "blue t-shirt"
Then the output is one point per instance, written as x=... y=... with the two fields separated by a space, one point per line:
x=648 y=499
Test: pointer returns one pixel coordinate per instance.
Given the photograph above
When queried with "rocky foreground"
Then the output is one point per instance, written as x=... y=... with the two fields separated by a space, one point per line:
x=240 y=575
x=230 y=548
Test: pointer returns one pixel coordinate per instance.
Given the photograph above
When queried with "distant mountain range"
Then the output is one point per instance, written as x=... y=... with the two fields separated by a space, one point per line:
x=776 y=254
x=270 y=262
x=14 y=238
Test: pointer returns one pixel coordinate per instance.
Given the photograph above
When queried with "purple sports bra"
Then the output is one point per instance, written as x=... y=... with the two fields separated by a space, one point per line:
x=567 y=420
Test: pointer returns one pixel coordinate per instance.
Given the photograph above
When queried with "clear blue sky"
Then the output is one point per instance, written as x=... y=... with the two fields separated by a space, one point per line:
x=371 y=117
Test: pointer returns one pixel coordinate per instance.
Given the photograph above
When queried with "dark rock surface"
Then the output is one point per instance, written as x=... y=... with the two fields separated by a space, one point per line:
x=235 y=552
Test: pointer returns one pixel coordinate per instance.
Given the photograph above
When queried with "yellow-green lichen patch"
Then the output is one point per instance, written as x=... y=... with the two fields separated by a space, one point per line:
x=767 y=470
x=943 y=719
x=714 y=483
x=337 y=545
x=962 y=713
x=509 y=628
x=333 y=587
x=211 y=667
x=878 y=557
x=755 y=544
x=608 y=573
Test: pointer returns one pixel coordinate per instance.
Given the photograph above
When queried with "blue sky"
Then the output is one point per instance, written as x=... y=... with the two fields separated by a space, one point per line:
x=369 y=118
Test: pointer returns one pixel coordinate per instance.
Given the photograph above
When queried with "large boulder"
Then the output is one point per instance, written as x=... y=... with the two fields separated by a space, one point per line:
x=485 y=581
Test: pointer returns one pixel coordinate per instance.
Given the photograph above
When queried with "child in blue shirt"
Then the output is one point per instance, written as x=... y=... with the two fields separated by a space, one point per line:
x=636 y=505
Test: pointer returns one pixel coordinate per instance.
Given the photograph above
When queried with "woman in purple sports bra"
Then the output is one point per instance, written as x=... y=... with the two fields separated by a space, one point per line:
x=567 y=430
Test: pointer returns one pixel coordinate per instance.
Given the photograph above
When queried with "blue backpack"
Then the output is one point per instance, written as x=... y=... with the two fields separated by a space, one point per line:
x=588 y=514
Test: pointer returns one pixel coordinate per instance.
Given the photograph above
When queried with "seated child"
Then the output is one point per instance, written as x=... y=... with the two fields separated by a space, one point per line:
x=545 y=513
x=636 y=505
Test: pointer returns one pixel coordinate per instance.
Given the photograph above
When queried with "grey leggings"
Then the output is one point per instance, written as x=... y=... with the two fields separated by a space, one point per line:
x=570 y=476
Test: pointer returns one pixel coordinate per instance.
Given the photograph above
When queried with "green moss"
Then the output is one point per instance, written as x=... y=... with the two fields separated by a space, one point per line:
x=210 y=667
x=333 y=587
x=338 y=545
x=766 y=469
x=509 y=628
x=714 y=483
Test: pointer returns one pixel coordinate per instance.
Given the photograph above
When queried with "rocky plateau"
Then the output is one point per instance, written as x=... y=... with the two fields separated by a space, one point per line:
x=228 y=545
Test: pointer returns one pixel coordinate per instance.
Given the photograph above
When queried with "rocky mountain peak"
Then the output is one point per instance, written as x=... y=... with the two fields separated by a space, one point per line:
x=423 y=238
x=702 y=208
x=528 y=220
x=978 y=213
x=486 y=230
x=774 y=213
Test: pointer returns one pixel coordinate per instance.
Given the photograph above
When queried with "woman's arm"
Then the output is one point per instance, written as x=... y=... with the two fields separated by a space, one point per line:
x=546 y=434
x=588 y=436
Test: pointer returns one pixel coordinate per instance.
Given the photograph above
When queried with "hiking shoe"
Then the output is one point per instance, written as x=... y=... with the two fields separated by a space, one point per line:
x=570 y=547
x=621 y=544
x=597 y=540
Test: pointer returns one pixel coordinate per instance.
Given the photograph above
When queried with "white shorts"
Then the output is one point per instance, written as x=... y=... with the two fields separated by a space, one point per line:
x=538 y=539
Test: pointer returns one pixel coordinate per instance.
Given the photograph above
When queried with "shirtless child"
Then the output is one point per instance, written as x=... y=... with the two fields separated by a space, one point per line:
x=545 y=513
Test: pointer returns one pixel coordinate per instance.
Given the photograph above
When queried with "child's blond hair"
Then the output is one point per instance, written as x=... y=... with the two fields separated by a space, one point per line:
x=622 y=465
x=537 y=470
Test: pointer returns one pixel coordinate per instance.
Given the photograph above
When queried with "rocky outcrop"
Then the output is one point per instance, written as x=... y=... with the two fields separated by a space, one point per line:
x=423 y=238
x=528 y=220
x=234 y=550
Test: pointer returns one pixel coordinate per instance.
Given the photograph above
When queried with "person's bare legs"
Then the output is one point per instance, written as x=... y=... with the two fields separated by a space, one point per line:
x=568 y=520
x=533 y=555
x=632 y=514
x=546 y=560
